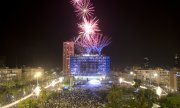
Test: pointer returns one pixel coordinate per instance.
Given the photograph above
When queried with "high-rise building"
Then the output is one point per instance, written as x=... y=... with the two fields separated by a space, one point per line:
x=146 y=62
x=68 y=51
x=177 y=60
x=175 y=80
x=10 y=74
x=2 y=61
x=157 y=76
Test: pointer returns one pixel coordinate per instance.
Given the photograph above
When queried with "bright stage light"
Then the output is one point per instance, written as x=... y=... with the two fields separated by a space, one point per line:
x=103 y=77
x=94 y=82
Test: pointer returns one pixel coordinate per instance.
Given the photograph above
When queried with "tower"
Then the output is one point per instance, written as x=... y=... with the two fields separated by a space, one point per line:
x=68 y=51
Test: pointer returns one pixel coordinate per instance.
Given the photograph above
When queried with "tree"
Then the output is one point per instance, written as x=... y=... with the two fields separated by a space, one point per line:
x=29 y=103
x=8 y=84
x=114 y=98
x=43 y=95
x=144 y=99
x=137 y=83
x=171 y=101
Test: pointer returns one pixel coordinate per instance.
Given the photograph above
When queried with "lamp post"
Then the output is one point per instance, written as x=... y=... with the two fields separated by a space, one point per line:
x=155 y=76
x=37 y=75
x=132 y=74
x=37 y=90
x=61 y=79
x=158 y=91
x=120 y=80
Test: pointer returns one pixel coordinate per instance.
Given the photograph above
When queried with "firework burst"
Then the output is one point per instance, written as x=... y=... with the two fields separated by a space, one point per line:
x=76 y=2
x=88 y=28
x=84 y=9
x=89 y=39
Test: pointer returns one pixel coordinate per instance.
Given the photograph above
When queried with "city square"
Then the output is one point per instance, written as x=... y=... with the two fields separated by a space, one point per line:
x=90 y=54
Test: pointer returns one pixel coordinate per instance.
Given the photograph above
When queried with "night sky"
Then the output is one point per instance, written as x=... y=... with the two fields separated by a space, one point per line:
x=32 y=31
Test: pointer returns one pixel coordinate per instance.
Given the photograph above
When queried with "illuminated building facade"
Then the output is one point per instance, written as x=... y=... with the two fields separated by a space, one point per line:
x=90 y=65
x=175 y=80
x=157 y=76
x=29 y=72
x=68 y=50
x=178 y=81
x=146 y=62
x=10 y=74
x=177 y=60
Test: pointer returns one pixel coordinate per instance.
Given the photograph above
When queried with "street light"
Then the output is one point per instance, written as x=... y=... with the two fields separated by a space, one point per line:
x=158 y=91
x=53 y=83
x=61 y=79
x=37 y=75
x=132 y=75
x=155 y=74
x=120 y=80
x=156 y=79
x=37 y=91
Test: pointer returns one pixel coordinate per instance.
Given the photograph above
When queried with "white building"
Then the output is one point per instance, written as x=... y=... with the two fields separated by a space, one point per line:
x=154 y=76
x=175 y=79
x=10 y=74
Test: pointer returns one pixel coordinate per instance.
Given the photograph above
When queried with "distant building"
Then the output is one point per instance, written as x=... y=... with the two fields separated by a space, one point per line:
x=2 y=61
x=177 y=60
x=10 y=74
x=68 y=51
x=157 y=76
x=19 y=73
x=178 y=81
x=146 y=62
x=175 y=80
x=29 y=73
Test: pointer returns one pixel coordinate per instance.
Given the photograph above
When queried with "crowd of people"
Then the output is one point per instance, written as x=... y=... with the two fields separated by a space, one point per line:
x=77 y=98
